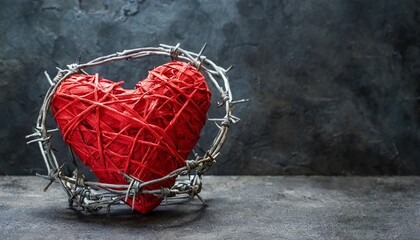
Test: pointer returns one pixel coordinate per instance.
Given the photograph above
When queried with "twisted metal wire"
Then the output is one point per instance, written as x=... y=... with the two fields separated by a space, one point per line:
x=92 y=196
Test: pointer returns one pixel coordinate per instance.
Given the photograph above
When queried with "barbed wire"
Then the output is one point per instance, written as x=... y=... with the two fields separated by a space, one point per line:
x=92 y=196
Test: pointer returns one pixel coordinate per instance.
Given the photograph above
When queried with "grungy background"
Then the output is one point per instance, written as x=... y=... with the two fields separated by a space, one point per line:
x=334 y=85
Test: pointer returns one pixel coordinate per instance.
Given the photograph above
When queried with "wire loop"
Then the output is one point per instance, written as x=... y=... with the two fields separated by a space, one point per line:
x=93 y=196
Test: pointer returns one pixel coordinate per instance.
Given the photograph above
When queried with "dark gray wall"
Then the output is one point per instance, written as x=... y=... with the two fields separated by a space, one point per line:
x=334 y=85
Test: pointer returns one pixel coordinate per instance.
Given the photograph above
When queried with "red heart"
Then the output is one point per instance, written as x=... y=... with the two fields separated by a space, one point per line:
x=147 y=132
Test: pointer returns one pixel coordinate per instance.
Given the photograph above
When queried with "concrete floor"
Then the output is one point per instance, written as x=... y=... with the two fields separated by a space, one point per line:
x=240 y=208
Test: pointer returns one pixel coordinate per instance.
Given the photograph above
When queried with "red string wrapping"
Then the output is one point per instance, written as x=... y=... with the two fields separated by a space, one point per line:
x=147 y=132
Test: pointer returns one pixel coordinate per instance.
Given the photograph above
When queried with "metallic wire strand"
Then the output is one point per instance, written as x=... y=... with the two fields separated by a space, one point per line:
x=93 y=196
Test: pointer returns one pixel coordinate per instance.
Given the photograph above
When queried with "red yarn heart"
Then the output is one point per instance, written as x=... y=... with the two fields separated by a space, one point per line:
x=147 y=132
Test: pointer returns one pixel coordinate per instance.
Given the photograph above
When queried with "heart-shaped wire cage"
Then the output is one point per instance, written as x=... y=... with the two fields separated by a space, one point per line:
x=91 y=195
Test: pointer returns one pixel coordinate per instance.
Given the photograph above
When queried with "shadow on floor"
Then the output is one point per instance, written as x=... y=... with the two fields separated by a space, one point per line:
x=122 y=216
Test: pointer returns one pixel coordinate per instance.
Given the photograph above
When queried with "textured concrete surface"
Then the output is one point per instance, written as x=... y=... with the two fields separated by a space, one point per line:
x=241 y=207
x=334 y=85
